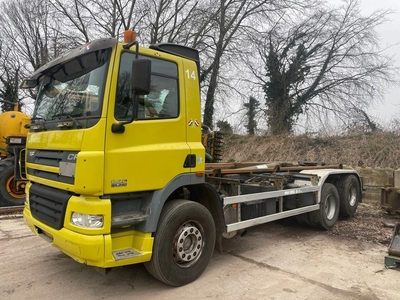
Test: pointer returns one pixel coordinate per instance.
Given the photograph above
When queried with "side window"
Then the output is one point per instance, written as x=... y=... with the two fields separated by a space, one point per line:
x=161 y=102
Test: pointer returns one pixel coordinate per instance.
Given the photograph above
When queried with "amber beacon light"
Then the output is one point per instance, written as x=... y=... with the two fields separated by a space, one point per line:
x=129 y=36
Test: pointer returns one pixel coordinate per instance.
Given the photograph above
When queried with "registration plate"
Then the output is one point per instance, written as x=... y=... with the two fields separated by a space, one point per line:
x=15 y=140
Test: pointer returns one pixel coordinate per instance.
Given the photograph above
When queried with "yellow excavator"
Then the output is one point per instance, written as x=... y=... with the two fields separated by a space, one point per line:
x=13 y=130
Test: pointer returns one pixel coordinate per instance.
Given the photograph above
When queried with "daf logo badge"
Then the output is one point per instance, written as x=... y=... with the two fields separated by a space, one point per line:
x=72 y=156
x=31 y=153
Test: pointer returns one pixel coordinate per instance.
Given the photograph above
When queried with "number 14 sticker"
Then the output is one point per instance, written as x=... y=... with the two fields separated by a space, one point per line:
x=190 y=74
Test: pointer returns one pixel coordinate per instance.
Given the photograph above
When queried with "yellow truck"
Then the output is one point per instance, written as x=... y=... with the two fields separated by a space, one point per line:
x=118 y=172
x=13 y=130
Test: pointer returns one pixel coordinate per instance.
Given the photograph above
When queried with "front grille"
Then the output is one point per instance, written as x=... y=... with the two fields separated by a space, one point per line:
x=51 y=176
x=45 y=157
x=51 y=158
x=48 y=205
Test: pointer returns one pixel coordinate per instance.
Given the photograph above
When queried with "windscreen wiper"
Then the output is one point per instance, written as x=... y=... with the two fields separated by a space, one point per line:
x=68 y=124
x=37 y=126
x=77 y=124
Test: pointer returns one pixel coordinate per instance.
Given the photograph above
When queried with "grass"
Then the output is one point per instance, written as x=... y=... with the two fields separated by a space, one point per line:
x=380 y=149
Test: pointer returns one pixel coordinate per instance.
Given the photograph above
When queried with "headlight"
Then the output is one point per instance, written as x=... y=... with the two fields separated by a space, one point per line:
x=87 y=221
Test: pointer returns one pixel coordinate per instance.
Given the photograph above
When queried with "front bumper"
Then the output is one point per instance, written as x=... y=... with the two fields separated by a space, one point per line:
x=98 y=250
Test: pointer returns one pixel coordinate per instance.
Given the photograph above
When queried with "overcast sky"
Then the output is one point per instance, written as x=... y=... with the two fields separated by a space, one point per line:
x=389 y=35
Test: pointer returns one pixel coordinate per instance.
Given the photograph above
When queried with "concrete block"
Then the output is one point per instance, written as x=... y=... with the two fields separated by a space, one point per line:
x=397 y=178
x=377 y=177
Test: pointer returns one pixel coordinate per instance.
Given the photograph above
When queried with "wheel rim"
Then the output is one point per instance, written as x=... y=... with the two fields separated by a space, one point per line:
x=352 y=196
x=188 y=244
x=10 y=187
x=330 y=207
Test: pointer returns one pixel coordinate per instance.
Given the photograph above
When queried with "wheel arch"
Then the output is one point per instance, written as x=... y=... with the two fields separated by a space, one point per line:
x=206 y=195
x=332 y=176
x=198 y=191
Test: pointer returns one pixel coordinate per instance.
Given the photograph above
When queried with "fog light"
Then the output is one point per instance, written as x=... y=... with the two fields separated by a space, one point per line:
x=87 y=221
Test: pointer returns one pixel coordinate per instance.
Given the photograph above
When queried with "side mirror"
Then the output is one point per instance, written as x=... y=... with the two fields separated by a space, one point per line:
x=141 y=74
x=29 y=84
x=140 y=85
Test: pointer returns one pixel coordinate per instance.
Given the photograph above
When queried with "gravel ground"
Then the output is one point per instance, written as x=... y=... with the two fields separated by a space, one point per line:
x=371 y=223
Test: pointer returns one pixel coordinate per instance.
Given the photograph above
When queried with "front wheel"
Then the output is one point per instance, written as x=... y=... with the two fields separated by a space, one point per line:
x=328 y=213
x=183 y=243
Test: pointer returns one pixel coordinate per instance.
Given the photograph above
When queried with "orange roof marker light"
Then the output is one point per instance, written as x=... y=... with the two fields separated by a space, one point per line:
x=129 y=36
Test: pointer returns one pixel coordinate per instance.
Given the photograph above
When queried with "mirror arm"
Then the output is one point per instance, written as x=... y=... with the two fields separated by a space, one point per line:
x=128 y=46
x=120 y=127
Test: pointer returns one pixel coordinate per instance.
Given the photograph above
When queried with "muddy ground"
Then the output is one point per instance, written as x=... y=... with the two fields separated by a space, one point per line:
x=371 y=223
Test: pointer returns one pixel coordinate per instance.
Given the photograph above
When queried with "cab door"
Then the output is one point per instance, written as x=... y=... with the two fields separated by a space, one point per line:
x=153 y=148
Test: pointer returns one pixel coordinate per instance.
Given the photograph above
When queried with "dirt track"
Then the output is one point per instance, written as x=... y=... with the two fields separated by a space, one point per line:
x=273 y=261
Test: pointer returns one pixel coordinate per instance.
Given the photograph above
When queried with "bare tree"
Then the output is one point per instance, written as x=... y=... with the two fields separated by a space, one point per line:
x=168 y=20
x=9 y=80
x=28 y=42
x=87 y=20
x=361 y=121
x=27 y=25
x=330 y=62
x=224 y=20
x=75 y=19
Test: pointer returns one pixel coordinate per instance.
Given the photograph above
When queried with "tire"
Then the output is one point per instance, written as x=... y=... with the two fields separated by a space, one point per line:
x=183 y=243
x=328 y=213
x=9 y=196
x=349 y=195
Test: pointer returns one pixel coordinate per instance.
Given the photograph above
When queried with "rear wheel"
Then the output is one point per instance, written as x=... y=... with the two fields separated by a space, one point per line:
x=328 y=213
x=349 y=195
x=183 y=243
x=9 y=195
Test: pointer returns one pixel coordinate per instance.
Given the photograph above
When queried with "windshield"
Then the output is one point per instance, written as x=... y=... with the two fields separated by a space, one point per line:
x=73 y=89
